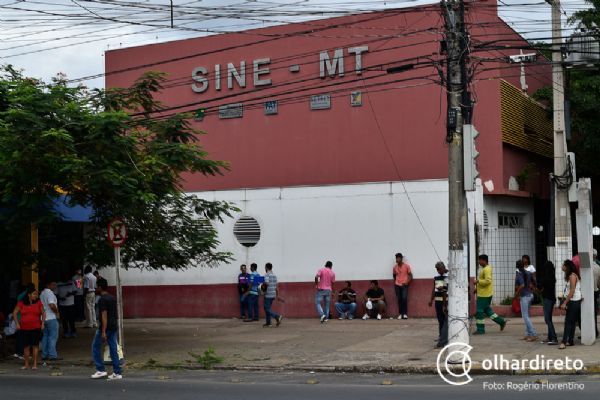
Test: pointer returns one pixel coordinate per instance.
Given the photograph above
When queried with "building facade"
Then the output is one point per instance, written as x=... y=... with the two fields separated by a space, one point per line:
x=333 y=158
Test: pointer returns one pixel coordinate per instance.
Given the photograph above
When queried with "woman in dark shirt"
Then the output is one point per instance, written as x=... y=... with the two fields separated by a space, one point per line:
x=548 y=287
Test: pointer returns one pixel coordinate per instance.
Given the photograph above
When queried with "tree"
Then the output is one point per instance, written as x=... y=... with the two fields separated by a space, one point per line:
x=583 y=93
x=114 y=151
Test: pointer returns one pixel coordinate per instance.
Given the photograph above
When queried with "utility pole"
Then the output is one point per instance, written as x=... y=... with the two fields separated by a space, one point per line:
x=563 y=242
x=458 y=287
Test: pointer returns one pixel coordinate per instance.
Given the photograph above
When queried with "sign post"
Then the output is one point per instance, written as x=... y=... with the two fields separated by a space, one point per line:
x=117 y=234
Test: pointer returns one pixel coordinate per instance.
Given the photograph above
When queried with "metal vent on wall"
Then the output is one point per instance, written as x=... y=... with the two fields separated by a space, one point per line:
x=247 y=231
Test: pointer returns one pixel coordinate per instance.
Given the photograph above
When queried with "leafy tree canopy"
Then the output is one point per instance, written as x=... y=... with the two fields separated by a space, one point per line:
x=583 y=93
x=111 y=150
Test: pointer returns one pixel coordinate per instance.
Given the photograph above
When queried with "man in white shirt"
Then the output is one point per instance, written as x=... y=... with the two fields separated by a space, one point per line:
x=89 y=288
x=66 y=306
x=50 y=334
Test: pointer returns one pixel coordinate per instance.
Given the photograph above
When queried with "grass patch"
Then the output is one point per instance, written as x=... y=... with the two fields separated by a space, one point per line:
x=209 y=359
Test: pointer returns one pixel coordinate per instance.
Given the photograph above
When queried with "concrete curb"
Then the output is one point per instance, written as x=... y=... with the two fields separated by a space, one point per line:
x=476 y=370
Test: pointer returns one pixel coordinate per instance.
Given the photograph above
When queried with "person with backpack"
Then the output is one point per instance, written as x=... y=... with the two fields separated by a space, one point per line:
x=524 y=289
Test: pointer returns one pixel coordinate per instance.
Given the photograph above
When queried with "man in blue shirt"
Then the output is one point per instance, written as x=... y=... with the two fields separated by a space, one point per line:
x=523 y=290
x=254 y=280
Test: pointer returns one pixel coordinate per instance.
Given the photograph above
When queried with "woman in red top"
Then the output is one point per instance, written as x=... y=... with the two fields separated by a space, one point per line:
x=31 y=324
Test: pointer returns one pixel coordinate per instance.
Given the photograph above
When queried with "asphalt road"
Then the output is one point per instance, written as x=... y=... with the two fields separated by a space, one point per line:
x=221 y=385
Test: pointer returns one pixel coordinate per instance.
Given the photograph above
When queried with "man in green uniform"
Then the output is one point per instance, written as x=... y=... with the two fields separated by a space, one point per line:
x=485 y=291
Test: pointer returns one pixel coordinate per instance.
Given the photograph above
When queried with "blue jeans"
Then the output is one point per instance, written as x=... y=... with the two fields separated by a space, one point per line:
x=326 y=295
x=49 y=338
x=525 y=304
x=268 y=313
x=244 y=306
x=97 y=355
x=548 y=308
x=402 y=297
x=345 y=308
x=253 y=306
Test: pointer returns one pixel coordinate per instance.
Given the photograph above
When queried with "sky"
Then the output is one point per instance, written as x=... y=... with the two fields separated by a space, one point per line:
x=45 y=37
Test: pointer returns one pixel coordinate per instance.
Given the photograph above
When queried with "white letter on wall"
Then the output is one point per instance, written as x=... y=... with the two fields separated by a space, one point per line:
x=337 y=63
x=240 y=77
x=198 y=76
x=218 y=76
x=258 y=72
x=358 y=51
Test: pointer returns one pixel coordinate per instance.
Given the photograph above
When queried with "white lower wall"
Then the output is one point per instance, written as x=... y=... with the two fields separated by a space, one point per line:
x=358 y=227
x=504 y=246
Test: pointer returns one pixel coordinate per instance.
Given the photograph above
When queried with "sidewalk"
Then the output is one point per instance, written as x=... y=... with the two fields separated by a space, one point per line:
x=305 y=344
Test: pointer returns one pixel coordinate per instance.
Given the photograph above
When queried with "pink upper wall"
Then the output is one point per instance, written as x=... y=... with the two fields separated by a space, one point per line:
x=398 y=132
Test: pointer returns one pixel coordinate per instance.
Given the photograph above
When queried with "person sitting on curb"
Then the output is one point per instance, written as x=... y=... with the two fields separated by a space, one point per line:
x=346 y=304
x=374 y=301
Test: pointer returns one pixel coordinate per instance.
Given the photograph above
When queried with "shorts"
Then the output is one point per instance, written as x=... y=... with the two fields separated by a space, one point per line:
x=31 y=337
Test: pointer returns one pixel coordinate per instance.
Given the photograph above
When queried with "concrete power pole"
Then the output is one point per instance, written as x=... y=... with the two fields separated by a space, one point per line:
x=563 y=241
x=458 y=287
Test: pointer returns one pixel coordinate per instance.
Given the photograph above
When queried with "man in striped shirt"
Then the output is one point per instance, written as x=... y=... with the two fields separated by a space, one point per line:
x=271 y=293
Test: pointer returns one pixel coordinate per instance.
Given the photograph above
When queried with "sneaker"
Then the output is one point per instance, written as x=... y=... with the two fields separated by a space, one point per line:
x=366 y=316
x=114 y=376
x=350 y=317
x=99 y=374
x=326 y=320
x=267 y=325
x=405 y=316
x=279 y=319
x=552 y=343
x=341 y=318
x=378 y=316
x=400 y=316
x=532 y=339
x=323 y=317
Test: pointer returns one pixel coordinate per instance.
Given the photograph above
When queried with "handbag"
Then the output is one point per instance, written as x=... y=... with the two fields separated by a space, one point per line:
x=516 y=305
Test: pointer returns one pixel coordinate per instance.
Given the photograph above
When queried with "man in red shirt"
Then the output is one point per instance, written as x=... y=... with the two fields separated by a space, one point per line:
x=324 y=281
x=402 y=273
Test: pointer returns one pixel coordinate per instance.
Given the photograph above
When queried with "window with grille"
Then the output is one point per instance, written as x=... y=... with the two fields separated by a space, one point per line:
x=506 y=220
x=247 y=231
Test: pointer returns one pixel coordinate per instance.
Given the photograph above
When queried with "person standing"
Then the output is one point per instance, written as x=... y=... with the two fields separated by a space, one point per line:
x=89 y=288
x=346 y=304
x=242 y=286
x=324 y=281
x=571 y=302
x=66 y=306
x=402 y=273
x=30 y=324
x=596 y=276
x=439 y=294
x=524 y=292
x=253 y=284
x=50 y=330
x=77 y=280
x=271 y=293
x=548 y=287
x=485 y=290
x=107 y=332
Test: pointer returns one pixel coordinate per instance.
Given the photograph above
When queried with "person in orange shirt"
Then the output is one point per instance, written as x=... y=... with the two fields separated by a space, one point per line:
x=402 y=273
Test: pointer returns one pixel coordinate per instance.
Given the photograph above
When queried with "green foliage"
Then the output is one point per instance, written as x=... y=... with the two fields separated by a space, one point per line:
x=209 y=359
x=584 y=96
x=108 y=150
x=507 y=301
